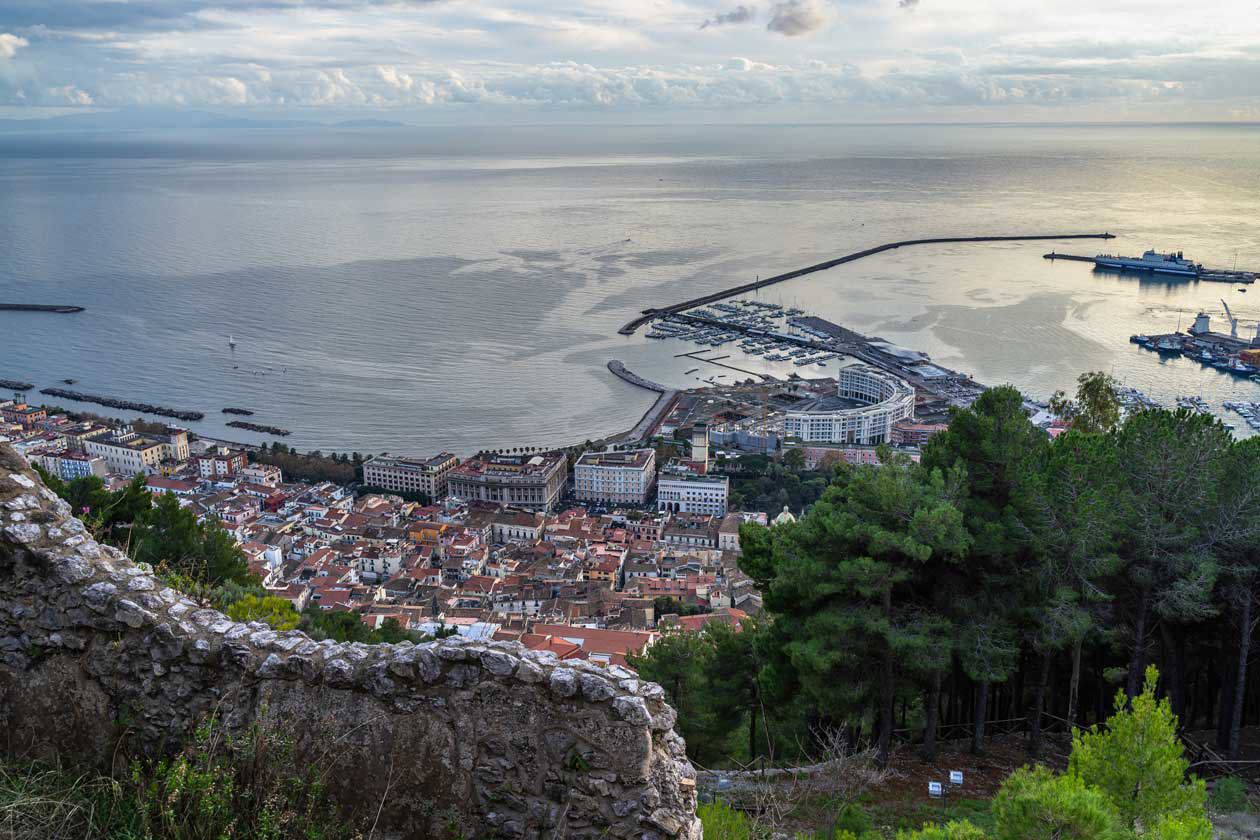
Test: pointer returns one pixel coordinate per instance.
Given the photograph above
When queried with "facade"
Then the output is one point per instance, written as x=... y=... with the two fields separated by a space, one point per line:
x=267 y=475
x=685 y=487
x=126 y=452
x=411 y=475
x=71 y=465
x=867 y=404
x=26 y=416
x=910 y=433
x=533 y=482
x=615 y=477
x=221 y=462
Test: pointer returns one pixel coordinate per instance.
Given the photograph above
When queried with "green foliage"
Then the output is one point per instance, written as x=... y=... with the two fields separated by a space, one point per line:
x=722 y=822
x=1229 y=795
x=953 y=830
x=1036 y=804
x=665 y=605
x=314 y=467
x=844 y=584
x=218 y=788
x=107 y=515
x=345 y=626
x=1095 y=408
x=171 y=539
x=277 y=612
x=1138 y=763
x=762 y=485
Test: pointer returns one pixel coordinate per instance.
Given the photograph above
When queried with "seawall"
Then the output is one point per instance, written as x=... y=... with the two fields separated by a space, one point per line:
x=96 y=653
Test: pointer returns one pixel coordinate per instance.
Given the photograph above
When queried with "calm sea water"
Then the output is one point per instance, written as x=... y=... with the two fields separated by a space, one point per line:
x=412 y=290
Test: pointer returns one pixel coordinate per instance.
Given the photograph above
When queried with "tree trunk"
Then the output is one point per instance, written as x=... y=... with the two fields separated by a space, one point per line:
x=1225 y=714
x=1137 y=662
x=982 y=711
x=931 y=712
x=887 y=707
x=1172 y=674
x=1039 y=704
x=1074 y=688
x=752 y=733
x=1240 y=683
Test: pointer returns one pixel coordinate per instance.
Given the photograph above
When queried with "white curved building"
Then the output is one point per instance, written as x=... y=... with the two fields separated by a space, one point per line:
x=867 y=403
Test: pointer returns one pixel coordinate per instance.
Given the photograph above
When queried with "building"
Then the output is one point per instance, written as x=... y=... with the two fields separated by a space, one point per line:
x=910 y=433
x=533 y=482
x=728 y=533
x=71 y=465
x=221 y=462
x=615 y=477
x=867 y=404
x=126 y=452
x=685 y=487
x=265 y=475
x=26 y=416
x=427 y=476
x=175 y=440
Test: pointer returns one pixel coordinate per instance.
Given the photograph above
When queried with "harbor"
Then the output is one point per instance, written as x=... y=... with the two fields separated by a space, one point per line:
x=651 y=314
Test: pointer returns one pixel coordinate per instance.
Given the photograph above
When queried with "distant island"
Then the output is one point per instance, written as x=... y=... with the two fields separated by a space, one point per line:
x=141 y=119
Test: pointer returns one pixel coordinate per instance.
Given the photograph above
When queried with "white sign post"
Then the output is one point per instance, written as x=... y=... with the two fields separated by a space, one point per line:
x=935 y=790
x=956 y=778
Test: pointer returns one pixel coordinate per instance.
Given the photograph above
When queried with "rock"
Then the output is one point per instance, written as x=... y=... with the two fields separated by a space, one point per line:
x=564 y=682
x=499 y=664
x=632 y=710
x=596 y=689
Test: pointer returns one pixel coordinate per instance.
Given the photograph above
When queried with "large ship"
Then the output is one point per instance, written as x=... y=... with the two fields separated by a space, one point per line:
x=1152 y=261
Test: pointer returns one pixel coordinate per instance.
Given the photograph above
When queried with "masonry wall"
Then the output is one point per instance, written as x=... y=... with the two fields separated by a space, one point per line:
x=508 y=742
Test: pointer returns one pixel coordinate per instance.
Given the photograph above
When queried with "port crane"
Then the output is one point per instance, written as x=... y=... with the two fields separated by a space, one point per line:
x=1233 y=322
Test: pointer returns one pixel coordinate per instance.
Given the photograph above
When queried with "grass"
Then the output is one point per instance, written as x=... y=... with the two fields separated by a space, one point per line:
x=219 y=788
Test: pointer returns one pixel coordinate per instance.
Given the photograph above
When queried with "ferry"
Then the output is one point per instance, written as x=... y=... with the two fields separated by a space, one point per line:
x=1152 y=261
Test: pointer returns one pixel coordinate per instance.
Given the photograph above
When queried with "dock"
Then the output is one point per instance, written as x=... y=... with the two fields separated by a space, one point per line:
x=650 y=314
x=1215 y=275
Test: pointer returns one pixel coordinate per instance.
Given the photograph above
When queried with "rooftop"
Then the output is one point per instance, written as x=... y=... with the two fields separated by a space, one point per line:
x=637 y=458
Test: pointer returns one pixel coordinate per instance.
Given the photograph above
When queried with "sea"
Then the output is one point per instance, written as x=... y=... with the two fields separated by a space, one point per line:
x=413 y=290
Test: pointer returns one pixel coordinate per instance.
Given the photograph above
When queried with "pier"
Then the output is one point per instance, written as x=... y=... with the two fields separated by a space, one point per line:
x=650 y=314
x=39 y=307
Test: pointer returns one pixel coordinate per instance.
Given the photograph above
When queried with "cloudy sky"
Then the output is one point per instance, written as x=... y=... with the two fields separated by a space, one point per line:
x=824 y=60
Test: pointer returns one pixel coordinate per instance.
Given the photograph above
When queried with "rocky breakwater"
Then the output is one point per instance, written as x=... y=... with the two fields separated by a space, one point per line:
x=498 y=740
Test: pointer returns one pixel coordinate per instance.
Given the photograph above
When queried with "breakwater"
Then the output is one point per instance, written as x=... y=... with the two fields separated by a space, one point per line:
x=244 y=412
x=129 y=405
x=39 y=307
x=15 y=385
x=650 y=314
x=258 y=427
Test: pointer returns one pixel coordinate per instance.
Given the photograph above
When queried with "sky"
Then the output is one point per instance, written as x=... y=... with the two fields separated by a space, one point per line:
x=710 y=60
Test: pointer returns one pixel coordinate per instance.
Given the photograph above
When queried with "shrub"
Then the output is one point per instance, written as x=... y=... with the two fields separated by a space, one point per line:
x=1138 y=763
x=721 y=822
x=1036 y=804
x=1229 y=795
x=954 y=830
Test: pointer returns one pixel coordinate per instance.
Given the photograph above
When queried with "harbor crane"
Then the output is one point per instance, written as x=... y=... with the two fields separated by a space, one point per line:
x=1233 y=322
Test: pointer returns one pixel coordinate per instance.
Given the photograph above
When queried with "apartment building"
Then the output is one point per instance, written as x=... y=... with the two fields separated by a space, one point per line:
x=615 y=477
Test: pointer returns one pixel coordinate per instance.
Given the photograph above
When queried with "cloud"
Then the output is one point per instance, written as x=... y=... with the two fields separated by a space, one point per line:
x=10 y=44
x=739 y=14
x=908 y=5
x=798 y=17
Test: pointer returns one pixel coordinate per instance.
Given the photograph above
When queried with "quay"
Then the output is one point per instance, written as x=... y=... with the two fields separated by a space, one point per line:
x=1217 y=275
x=39 y=307
x=650 y=314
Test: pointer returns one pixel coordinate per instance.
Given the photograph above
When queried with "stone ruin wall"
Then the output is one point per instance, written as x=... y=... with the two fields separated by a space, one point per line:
x=506 y=741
